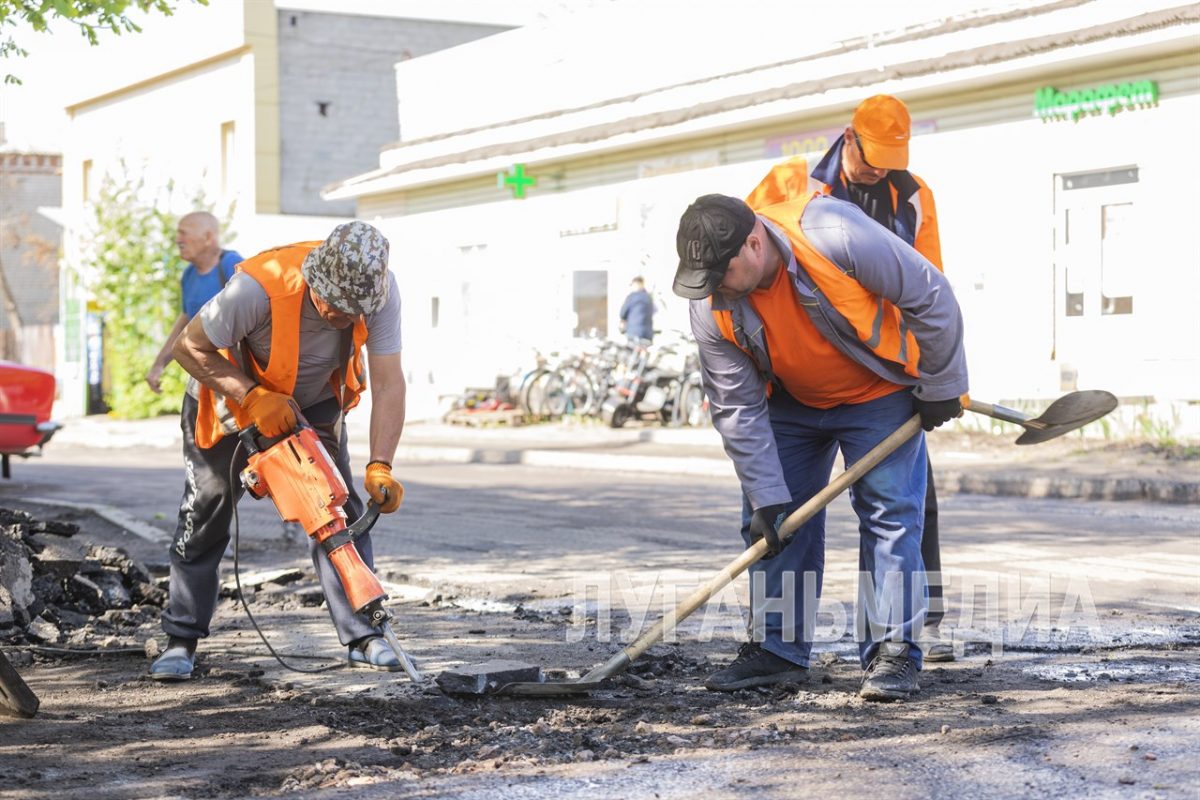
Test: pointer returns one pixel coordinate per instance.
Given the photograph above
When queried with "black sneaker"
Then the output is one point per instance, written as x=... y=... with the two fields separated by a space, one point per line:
x=755 y=666
x=891 y=675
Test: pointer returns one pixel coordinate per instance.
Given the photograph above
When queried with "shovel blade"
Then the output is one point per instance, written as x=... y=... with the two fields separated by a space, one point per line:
x=548 y=689
x=1068 y=413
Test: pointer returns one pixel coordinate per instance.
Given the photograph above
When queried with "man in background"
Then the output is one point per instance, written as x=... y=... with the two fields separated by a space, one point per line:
x=637 y=312
x=209 y=268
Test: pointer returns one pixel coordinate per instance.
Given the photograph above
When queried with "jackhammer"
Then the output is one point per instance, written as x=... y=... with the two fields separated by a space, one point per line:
x=297 y=474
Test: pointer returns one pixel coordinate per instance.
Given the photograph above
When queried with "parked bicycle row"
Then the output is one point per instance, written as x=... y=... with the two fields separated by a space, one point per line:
x=616 y=381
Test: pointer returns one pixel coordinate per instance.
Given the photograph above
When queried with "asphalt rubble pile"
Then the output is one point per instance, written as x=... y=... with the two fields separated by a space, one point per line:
x=55 y=591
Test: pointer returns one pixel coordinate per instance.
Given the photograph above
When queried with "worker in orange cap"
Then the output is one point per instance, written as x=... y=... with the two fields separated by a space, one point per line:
x=868 y=166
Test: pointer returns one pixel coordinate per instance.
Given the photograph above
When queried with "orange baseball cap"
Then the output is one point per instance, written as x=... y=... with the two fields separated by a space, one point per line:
x=884 y=128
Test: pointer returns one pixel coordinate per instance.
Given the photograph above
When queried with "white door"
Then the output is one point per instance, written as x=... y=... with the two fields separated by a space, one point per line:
x=1096 y=274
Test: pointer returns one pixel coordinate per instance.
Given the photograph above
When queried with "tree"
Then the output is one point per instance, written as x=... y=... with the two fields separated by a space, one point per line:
x=131 y=264
x=91 y=16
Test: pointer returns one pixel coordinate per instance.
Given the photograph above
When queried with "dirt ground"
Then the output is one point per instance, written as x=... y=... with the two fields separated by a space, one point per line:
x=1093 y=721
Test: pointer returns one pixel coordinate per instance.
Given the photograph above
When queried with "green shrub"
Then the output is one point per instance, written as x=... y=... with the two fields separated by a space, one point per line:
x=134 y=265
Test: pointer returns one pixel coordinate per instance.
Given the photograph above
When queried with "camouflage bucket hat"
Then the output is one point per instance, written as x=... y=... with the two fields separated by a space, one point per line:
x=349 y=269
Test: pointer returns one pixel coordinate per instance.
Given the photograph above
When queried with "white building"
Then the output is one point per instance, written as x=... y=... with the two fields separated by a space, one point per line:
x=1068 y=217
x=255 y=104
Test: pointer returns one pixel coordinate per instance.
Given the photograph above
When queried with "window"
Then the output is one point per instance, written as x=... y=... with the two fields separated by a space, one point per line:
x=87 y=180
x=591 y=302
x=1117 y=259
x=228 y=136
x=1072 y=275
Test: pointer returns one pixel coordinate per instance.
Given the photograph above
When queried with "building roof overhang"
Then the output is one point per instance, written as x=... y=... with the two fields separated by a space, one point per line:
x=977 y=51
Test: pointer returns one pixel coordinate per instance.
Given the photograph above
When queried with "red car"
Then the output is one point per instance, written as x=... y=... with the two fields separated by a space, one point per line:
x=26 y=395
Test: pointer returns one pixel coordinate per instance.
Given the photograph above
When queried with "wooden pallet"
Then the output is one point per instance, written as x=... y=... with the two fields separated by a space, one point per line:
x=462 y=416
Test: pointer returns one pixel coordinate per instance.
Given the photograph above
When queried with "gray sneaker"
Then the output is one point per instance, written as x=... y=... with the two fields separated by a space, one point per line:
x=934 y=646
x=755 y=666
x=891 y=675
x=177 y=661
x=374 y=653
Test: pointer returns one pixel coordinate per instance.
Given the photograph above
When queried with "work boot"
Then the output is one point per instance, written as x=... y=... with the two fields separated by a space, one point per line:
x=934 y=646
x=755 y=666
x=176 y=662
x=374 y=653
x=891 y=675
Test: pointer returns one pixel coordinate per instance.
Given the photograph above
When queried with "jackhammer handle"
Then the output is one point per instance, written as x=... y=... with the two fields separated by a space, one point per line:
x=367 y=520
x=251 y=434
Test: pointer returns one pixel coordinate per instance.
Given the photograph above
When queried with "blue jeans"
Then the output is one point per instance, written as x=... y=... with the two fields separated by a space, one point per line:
x=890 y=503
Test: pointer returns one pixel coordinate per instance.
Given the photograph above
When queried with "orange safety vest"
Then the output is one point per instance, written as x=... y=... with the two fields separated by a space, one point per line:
x=278 y=272
x=877 y=322
x=790 y=179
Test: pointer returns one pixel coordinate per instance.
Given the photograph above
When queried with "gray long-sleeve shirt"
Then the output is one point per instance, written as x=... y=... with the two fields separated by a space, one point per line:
x=883 y=264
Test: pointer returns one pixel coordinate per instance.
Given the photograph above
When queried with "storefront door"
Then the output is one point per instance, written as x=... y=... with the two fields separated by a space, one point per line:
x=1095 y=257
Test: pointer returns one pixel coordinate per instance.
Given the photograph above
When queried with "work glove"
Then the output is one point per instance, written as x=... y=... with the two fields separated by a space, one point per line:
x=763 y=526
x=385 y=490
x=272 y=412
x=936 y=412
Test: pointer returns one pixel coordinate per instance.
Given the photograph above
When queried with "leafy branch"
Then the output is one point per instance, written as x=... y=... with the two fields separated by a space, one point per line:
x=89 y=16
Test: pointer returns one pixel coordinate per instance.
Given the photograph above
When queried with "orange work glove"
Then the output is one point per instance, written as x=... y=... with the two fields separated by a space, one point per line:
x=272 y=412
x=379 y=480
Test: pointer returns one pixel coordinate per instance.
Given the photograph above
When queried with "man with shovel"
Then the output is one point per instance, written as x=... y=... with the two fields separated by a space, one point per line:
x=868 y=166
x=818 y=330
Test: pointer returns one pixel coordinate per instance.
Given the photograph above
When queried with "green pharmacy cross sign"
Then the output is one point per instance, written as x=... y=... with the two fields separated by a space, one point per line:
x=1050 y=104
x=516 y=180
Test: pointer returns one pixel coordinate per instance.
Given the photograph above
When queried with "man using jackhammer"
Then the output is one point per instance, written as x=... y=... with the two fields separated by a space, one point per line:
x=819 y=331
x=868 y=166
x=287 y=332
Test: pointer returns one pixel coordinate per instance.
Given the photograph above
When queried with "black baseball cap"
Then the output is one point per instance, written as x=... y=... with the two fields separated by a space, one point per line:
x=711 y=232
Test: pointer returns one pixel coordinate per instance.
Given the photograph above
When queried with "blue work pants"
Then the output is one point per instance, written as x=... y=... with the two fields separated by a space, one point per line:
x=890 y=504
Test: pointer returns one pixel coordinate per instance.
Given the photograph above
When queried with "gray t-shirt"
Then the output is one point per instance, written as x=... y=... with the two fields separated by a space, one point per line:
x=242 y=311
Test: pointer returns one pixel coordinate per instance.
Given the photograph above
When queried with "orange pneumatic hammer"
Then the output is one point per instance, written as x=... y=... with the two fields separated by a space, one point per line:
x=296 y=472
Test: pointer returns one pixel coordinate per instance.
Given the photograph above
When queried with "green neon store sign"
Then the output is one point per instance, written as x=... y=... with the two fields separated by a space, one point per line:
x=1051 y=104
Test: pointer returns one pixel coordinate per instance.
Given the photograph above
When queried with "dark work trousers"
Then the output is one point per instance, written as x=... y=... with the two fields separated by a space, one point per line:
x=206 y=511
x=931 y=554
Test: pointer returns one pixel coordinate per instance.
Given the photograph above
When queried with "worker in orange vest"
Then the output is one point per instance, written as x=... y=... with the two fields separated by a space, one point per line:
x=868 y=166
x=819 y=331
x=287 y=331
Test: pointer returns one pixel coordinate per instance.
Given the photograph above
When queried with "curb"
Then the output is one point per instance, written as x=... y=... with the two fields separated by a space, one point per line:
x=1058 y=487
x=116 y=516
x=1031 y=485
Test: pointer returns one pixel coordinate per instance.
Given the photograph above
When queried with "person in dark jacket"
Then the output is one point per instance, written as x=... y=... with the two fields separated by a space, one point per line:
x=637 y=312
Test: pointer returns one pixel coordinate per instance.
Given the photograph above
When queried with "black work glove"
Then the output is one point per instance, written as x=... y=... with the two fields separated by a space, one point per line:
x=936 y=412
x=762 y=526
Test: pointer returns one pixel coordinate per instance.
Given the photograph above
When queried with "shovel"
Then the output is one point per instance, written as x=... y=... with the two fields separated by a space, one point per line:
x=16 y=698
x=1064 y=415
x=621 y=661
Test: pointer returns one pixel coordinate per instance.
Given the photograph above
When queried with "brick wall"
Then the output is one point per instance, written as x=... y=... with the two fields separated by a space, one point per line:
x=337 y=95
x=29 y=247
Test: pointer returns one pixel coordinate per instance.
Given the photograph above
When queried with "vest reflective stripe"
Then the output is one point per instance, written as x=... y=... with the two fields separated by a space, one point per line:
x=877 y=322
x=915 y=202
x=278 y=272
